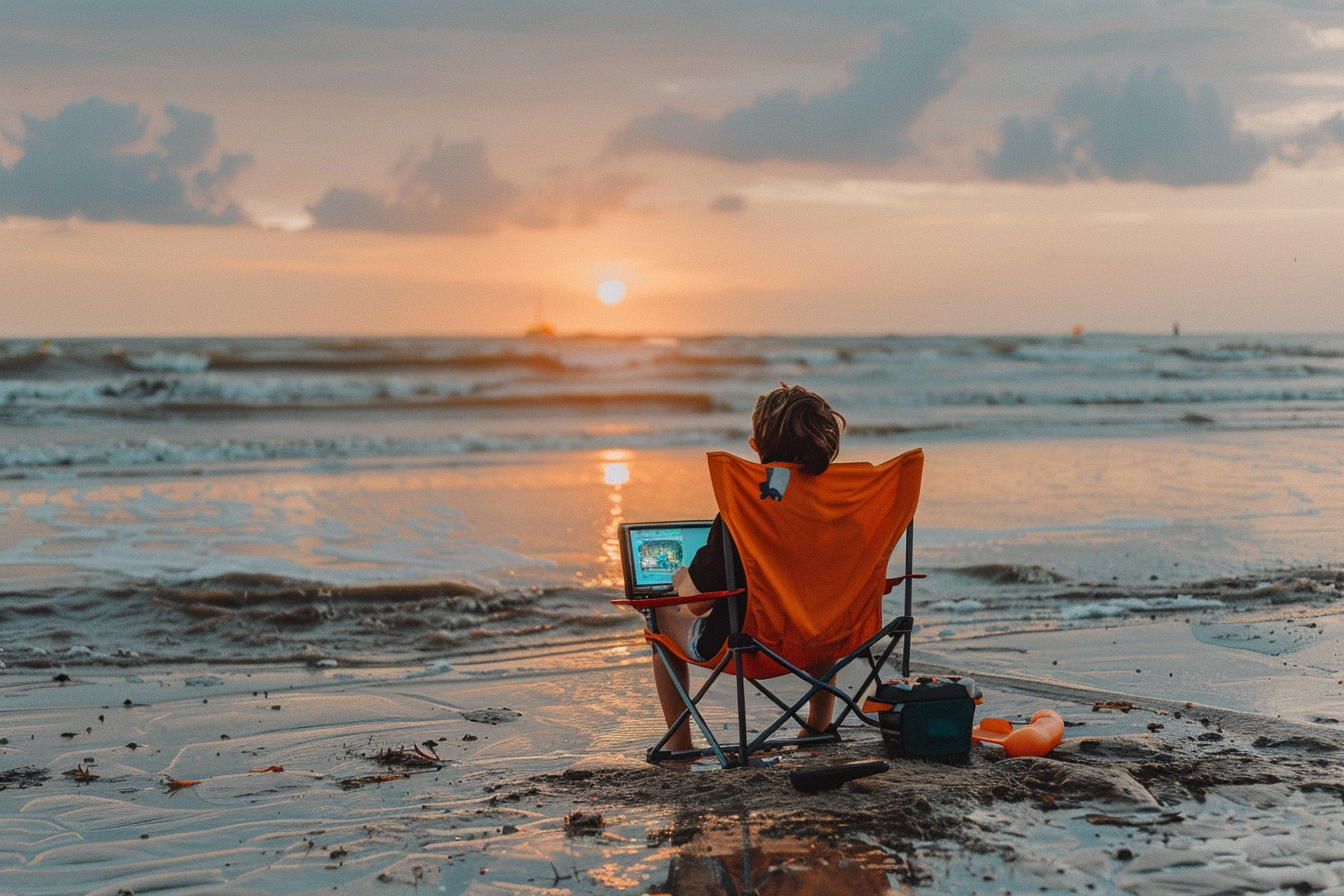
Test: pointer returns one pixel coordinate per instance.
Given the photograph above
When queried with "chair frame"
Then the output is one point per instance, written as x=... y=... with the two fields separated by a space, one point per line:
x=740 y=643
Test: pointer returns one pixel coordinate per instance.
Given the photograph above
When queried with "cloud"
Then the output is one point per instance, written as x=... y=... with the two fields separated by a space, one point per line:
x=866 y=122
x=1312 y=142
x=450 y=189
x=453 y=189
x=573 y=197
x=519 y=16
x=729 y=203
x=92 y=160
x=1334 y=127
x=1147 y=128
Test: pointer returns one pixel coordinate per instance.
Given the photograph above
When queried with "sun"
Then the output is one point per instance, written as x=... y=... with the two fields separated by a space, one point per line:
x=611 y=292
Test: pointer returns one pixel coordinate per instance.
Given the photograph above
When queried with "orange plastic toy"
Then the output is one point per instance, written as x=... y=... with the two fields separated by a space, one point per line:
x=1040 y=737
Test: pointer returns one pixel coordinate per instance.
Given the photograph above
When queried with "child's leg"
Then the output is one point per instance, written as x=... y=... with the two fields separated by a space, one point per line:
x=819 y=711
x=675 y=622
x=670 y=700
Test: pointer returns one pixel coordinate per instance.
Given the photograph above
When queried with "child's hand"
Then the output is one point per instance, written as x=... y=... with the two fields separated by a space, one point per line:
x=681 y=580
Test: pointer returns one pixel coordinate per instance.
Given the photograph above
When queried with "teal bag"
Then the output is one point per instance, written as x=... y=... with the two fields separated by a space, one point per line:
x=928 y=719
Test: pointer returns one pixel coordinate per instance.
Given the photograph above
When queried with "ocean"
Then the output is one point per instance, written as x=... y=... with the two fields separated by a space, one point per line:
x=390 y=500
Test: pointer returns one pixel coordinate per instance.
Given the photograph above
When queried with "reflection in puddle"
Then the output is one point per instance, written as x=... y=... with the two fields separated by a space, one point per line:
x=726 y=859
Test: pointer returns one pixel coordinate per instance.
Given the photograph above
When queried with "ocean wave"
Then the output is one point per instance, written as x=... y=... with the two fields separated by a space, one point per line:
x=1259 y=395
x=22 y=363
x=1109 y=609
x=162 y=362
x=1011 y=574
x=1275 y=371
x=244 y=617
x=161 y=452
x=886 y=386
x=1251 y=351
x=212 y=392
x=1141 y=395
x=1139 y=357
x=475 y=360
x=215 y=393
x=710 y=361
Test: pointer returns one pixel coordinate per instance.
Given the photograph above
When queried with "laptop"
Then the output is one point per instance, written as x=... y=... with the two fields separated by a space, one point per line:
x=652 y=552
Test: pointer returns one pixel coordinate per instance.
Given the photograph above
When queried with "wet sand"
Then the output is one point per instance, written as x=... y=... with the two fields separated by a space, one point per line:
x=308 y=779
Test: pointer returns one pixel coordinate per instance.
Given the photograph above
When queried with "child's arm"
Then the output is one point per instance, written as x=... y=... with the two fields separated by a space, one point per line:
x=681 y=580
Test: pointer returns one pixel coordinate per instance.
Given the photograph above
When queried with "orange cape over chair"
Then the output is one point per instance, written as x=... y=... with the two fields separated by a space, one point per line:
x=815 y=553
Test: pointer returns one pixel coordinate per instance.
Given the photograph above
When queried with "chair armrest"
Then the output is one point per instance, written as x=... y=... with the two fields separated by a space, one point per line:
x=648 y=603
x=892 y=583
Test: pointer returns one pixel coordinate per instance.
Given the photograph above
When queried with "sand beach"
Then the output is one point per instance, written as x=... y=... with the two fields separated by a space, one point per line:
x=520 y=772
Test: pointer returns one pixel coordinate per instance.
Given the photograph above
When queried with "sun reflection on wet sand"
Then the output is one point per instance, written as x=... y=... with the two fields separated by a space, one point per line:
x=727 y=858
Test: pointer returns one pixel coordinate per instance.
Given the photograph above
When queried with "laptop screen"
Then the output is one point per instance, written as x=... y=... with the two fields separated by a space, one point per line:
x=652 y=552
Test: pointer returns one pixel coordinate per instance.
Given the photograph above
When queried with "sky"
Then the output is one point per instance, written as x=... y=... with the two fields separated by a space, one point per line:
x=432 y=167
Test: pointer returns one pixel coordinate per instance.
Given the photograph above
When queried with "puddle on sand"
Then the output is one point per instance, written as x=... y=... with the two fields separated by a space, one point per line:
x=726 y=857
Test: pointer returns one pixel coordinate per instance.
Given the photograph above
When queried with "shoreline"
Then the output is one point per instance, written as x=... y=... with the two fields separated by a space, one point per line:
x=252 y=620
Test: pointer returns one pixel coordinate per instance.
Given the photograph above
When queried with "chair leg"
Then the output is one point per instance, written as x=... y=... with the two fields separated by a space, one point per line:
x=741 y=712
x=875 y=672
x=790 y=712
x=692 y=709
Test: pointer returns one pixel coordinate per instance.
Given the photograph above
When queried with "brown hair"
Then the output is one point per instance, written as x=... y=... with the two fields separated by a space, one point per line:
x=795 y=426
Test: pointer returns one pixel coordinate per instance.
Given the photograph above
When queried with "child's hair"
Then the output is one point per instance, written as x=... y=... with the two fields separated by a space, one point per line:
x=795 y=426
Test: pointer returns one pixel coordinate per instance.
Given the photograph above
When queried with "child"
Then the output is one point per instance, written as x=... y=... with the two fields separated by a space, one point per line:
x=788 y=425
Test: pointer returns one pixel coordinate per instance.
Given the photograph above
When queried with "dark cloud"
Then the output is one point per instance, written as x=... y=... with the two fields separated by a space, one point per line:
x=92 y=159
x=1333 y=127
x=453 y=189
x=864 y=122
x=192 y=136
x=1148 y=127
x=729 y=203
x=1160 y=41
x=450 y=189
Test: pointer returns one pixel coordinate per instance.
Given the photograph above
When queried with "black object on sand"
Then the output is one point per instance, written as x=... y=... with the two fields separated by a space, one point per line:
x=815 y=780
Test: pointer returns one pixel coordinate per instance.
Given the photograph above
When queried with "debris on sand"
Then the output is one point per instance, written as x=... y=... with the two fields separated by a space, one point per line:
x=356 y=783
x=1122 y=705
x=491 y=716
x=1139 y=822
x=579 y=823
x=415 y=757
x=23 y=777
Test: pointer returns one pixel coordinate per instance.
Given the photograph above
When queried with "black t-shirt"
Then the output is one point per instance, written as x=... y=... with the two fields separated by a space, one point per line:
x=708 y=574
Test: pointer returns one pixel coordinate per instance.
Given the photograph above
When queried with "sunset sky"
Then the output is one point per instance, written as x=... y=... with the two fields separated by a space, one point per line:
x=782 y=166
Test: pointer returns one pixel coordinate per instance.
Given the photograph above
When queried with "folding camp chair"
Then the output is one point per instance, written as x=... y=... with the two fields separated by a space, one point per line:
x=815 y=551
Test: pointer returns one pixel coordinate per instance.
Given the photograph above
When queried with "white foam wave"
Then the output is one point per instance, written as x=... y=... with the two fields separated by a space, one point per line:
x=165 y=362
x=967 y=605
x=1121 y=606
x=156 y=451
x=229 y=391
